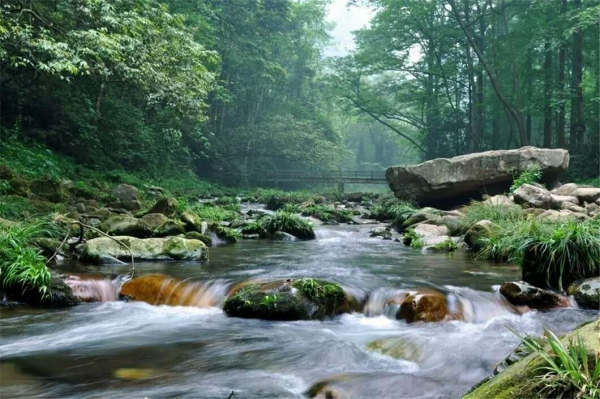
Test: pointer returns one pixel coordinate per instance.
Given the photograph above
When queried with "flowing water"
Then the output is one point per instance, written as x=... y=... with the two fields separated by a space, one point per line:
x=118 y=349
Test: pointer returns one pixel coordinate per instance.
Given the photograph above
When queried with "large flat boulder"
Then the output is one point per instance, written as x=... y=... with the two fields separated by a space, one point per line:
x=447 y=182
x=169 y=248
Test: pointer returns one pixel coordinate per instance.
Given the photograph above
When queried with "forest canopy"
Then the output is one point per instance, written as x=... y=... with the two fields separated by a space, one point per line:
x=229 y=89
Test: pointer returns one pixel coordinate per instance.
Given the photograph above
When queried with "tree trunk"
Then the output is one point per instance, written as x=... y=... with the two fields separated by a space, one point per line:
x=98 y=107
x=514 y=113
x=547 y=95
x=529 y=93
x=577 y=126
x=562 y=55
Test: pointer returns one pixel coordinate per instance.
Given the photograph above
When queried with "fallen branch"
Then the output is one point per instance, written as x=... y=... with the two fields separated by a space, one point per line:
x=83 y=225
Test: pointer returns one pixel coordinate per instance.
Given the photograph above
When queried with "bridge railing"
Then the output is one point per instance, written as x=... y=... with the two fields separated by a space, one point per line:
x=329 y=175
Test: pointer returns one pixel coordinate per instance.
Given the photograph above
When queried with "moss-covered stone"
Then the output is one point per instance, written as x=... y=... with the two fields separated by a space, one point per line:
x=479 y=230
x=59 y=294
x=225 y=233
x=124 y=225
x=304 y=299
x=518 y=380
x=49 y=189
x=175 y=248
x=194 y=235
x=167 y=206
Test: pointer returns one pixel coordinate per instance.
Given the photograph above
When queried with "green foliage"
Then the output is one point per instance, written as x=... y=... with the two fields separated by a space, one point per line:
x=288 y=223
x=569 y=371
x=213 y=213
x=21 y=264
x=390 y=208
x=446 y=246
x=499 y=214
x=532 y=175
x=269 y=300
x=324 y=294
x=327 y=213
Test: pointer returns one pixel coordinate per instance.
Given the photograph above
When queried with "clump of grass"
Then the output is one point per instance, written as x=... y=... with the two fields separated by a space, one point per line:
x=21 y=264
x=327 y=296
x=327 y=213
x=412 y=239
x=288 y=223
x=568 y=370
x=532 y=175
x=570 y=249
x=498 y=214
x=391 y=208
x=213 y=213
x=226 y=233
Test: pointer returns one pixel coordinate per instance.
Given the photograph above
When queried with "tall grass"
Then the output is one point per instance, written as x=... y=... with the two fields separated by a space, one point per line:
x=568 y=370
x=499 y=214
x=21 y=264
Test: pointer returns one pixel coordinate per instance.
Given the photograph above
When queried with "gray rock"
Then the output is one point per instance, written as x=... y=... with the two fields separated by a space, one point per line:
x=558 y=200
x=457 y=180
x=565 y=189
x=557 y=216
x=478 y=231
x=587 y=194
x=381 y=232
x=126 y=225
x=533 y=196
x=499 y=200
x=429 y=230
x=175 y=248
x=154 y=220
x=573 y=208
x=125 y=192
x=281 y=236
x=521 y=293
x=587 y=293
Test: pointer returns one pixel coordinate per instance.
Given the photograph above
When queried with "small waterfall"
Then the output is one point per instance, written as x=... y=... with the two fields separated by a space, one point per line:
x=93 y=290
x=478 y=306
x=158 y=289
x=463 y=304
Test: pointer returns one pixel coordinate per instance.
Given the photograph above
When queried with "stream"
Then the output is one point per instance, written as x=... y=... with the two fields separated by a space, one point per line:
x=135 y=350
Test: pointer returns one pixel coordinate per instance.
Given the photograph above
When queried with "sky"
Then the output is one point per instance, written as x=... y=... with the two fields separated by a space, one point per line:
x=346 y=19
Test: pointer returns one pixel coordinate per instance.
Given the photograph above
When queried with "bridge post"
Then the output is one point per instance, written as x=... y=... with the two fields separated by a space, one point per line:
x=341 y=187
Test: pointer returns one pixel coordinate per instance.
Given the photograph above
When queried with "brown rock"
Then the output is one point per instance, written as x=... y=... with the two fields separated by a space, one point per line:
x=423 y=305
x=520 y=293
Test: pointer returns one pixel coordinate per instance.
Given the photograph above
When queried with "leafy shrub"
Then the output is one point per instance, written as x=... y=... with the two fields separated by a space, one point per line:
x=532 y=175
x=568 y=370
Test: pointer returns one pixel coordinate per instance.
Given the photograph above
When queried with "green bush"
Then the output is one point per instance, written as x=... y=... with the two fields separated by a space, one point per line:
x=532 y=175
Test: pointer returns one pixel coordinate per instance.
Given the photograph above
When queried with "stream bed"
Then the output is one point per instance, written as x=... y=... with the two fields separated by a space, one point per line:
x=136 y=350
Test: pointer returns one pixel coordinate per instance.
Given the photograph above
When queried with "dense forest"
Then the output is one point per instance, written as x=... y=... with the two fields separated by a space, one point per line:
x=232 y=88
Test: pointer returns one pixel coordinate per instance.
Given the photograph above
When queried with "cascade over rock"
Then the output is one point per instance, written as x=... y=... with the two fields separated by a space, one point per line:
x=446 y=182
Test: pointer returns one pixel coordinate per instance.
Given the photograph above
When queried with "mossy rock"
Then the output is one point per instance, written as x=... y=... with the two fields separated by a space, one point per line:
x=50 y=190
x=225 y=233
x=167 y=206
x=124 y=225
x=59 y=295
x=477 y=232
x=194 y=235
x=170 y=228
x=517 y=381
x=305 y=299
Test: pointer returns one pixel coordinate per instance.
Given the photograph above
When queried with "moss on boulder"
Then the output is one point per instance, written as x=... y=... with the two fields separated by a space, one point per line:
x=305 y=299
x=125 y=225
x=516 y=381
x=170 y=248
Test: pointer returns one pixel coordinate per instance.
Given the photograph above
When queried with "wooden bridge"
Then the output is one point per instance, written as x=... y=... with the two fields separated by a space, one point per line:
x=308 y=176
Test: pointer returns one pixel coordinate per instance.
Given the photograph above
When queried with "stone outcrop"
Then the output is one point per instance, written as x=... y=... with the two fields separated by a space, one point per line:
x=533 y=196
x=586 y=293
x=170 y=248
x=126 y=192
x=445 y=182
x=303 y=299
x=520 y=293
